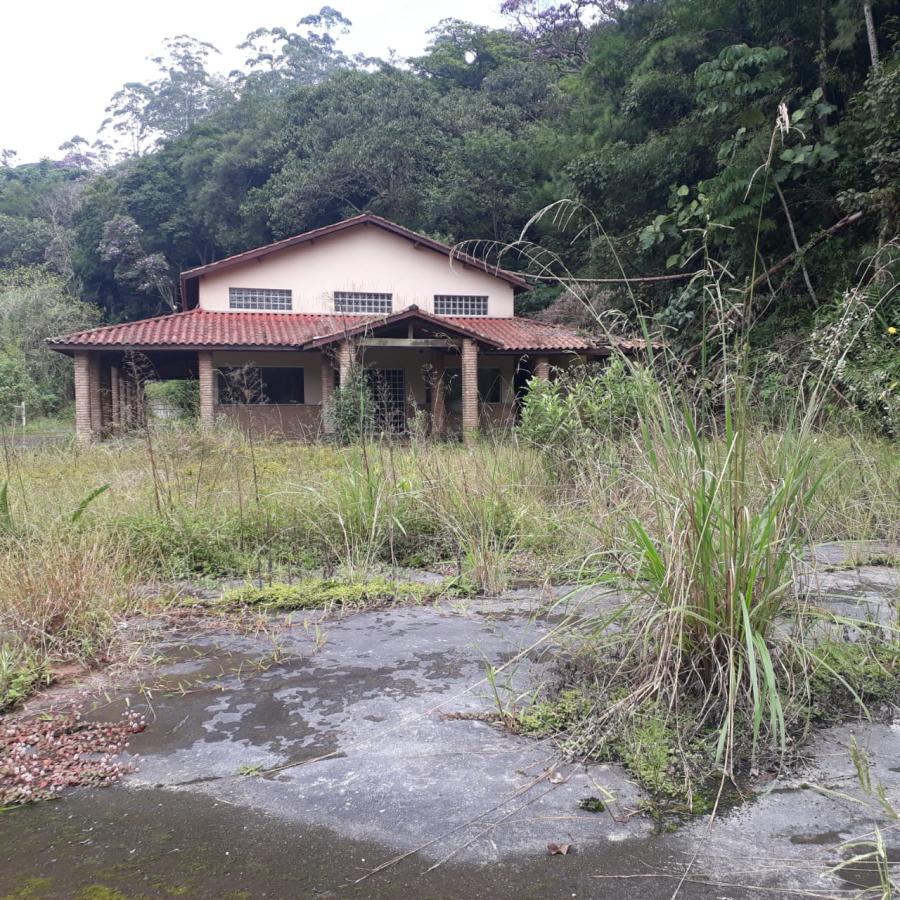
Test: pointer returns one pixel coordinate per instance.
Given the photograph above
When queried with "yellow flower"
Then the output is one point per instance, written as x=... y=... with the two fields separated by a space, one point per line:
x=892 y=330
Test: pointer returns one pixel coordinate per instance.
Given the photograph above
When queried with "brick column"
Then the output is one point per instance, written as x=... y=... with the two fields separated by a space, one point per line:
x=438 y=396
x=94 y=395
x=345 y=360
x=125 y=411
x=83 y=430
x=114 y=397
x=542 y=368
x=327 y=391
x=207 y=379
x=469 y=365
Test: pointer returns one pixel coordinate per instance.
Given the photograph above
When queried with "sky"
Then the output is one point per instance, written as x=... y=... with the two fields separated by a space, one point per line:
x=60 y=61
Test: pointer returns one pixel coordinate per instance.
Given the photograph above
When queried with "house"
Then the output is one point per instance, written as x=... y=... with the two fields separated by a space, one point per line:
x=270 y=334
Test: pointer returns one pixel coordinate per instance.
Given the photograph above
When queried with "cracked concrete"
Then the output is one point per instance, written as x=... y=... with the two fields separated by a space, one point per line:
x=366 y=770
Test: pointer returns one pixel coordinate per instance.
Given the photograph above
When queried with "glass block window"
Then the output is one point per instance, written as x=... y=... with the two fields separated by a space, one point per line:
x=354 y=302
x=259 y=298
x=460 y=305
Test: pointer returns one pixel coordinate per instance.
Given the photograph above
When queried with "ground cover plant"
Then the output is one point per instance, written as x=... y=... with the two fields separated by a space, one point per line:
x=328 y=594
x=198 y=506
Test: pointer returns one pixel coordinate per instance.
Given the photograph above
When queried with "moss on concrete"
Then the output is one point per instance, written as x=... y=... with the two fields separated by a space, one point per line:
x=321 y=593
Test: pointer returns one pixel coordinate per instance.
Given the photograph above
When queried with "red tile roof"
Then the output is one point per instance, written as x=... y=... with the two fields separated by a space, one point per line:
x=526 y=334
x=198 y=329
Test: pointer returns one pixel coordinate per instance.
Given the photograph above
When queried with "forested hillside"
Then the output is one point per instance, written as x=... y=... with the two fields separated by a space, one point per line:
x=761 y=137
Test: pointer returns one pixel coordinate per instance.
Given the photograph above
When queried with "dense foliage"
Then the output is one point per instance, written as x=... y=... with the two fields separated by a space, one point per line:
x=658 y=115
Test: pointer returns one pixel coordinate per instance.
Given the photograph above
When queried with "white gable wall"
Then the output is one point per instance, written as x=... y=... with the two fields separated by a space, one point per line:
x=362 y=259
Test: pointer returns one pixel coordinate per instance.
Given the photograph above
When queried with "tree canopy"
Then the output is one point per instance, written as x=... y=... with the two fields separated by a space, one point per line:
x=742 y=130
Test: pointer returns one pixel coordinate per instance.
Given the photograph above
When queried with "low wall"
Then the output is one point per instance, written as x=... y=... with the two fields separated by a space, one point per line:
x=304 y=421
x=293 y=420
x=491 y=417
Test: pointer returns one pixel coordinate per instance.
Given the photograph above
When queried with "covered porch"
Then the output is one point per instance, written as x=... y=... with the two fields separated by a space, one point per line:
x=453 y=392
x=438 y=376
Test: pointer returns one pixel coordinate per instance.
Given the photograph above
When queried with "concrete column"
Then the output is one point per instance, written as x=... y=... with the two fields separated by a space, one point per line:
x=438 y=396
x=542 y=367
x=345 y=360
x=327 y=391
x=115 y=399
x=83 y=430
x=207 y=379
x=469 y=366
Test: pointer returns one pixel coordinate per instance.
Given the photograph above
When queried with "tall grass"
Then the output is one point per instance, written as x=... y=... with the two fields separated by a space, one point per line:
x=714 y=565
x=718 y=511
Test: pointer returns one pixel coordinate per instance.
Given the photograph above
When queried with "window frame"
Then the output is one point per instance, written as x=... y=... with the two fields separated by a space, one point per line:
x=453 y=385
x=274 y=302
x=224 y=391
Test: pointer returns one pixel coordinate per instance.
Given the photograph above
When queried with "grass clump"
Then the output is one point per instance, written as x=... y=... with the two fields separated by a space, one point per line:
x=322 y=593
x=842 y=675
x=21 y=673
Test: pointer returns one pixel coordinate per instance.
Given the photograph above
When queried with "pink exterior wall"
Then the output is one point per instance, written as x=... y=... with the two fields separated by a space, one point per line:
x=360 y=259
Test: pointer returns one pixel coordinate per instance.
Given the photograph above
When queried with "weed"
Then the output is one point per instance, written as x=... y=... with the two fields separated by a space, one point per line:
x=21 y=673
x=317 y=593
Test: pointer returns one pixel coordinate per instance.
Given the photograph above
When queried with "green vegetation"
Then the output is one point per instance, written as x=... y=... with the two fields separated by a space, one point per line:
x=321 y=593
x=21 y=673
x=225 y=505
x=656 y=115
x=844 y=674
x=646 y=742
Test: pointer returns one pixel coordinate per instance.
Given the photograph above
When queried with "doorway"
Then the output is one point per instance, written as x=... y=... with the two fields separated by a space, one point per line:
x=388 y=388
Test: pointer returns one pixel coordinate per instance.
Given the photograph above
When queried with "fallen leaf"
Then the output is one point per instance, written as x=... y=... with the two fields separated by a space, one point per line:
x=559 y=849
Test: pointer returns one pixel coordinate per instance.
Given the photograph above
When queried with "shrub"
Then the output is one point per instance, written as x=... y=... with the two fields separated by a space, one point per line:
x=351 y=410
x=585 y=405
x=180 y=396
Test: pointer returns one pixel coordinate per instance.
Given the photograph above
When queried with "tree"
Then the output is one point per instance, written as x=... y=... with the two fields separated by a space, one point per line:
x=122 y=245
x=282 y=59
x=561 y=32
x=462 y=54
x=184 y=94
x=34 y=306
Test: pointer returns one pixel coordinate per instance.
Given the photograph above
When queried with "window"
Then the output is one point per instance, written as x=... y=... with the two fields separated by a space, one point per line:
x=259 y=298
x=240 y=385
x=460 y=305
x=490 y=387
x=352 y=302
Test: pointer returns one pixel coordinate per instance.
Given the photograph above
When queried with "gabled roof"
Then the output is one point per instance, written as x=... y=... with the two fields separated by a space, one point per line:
x=369 y=219
x=199 y=329
x=368 y=323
